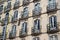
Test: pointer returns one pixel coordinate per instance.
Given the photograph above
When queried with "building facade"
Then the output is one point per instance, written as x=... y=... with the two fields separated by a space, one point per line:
x=29 y=19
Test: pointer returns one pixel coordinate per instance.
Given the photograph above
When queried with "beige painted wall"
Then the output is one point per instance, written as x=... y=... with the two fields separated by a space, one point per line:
x=43 y=18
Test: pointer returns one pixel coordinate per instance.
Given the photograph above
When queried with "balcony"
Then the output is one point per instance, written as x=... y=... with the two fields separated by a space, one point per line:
x=16 y=5
x=1 y=9
x=36 y=11
x=1 y=36
x=3 y=22
x=12 y=35
x=36 y=0
x=8 y=7
x=51 y=7
x=35 y=31
x=23 y=33
x=52 y=29
x=25 y=2
x=25 y=14
x=14 y=20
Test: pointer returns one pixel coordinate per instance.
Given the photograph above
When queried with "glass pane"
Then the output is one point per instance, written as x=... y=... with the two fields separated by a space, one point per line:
x=37 y=24
x=53 y=37
x=25 y=11
x=53 y=21
x=14 y=29
x=24 y=26
x=16 y=14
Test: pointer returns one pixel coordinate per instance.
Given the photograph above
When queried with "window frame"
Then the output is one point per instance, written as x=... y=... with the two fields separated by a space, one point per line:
x=24 y=27
x=51 y=37
x=37 y=25
x=36 y=38
x=55 y=21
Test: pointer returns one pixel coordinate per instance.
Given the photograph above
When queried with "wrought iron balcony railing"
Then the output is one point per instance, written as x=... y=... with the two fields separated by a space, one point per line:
x=35 y=31
x=14 y=20
x=12 y=35
x=7 y=8
x=25 y=2
x=25 y=14
x=36 y=11
x=51 y=29
x=3 y=22
x=1 y=36
x=16 y=5
x=23 y=33
x=51 y=7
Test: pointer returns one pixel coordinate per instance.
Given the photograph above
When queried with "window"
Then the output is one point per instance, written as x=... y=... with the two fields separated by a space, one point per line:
x=1 y=8
x=53 y=21
x=24 y=27
x=36 y=38
x=25 y=2
x=52 y=5
x=23 y=32
x=52 y=1
x=7 y=15
x=37 y=6
x=37 y=24
x=4 y=29
x=37 y=9
x=9 y=5
x=12 y=34
x=14 y=30
x=6 y=18
x=15 y=14
x=25 y=12
x=53 y=37
x=17 y=3
x=4 y=32
x=36 y=29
